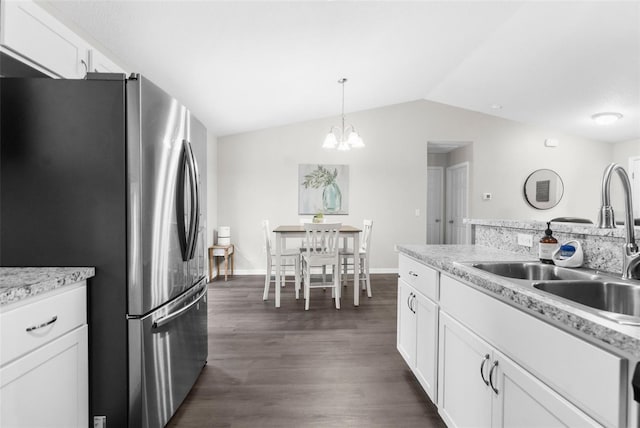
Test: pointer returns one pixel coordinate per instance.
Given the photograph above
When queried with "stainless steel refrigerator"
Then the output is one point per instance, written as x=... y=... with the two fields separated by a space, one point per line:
x=109 y=172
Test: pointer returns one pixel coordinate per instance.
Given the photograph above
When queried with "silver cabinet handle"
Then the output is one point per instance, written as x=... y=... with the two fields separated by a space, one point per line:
x=493 y=367
x=437 y=220
x=412 y=273
x=44 y=324
x=413 y=300
x=409 y=301
x=450 y=221
x=484 y=361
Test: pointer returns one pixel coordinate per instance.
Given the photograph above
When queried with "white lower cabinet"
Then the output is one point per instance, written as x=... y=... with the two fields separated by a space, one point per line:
x=480 y=387
x=48 y=387
x=44 y=376
x=417 y=339
x=488 y=364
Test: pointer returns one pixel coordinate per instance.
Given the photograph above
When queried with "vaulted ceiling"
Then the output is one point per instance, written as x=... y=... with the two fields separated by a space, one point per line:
x=242 y=66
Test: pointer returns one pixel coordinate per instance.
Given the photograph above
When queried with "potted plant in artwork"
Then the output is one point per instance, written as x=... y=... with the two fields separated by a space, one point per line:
x=323 y=178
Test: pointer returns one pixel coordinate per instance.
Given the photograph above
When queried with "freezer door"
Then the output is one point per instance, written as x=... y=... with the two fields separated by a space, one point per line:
x=163 y=197
x=168 y=349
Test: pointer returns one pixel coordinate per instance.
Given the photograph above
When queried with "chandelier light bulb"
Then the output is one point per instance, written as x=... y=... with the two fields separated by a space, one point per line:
x=330 y=141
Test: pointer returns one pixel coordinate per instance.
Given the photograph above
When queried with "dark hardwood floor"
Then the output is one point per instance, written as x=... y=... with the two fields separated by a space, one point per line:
x=289 y=367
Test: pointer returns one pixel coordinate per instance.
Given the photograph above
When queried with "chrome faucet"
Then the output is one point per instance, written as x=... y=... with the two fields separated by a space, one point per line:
x=630 y=254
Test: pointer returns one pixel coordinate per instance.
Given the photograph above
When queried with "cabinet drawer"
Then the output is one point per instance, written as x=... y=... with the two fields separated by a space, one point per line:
x=67 y=308
x=419 y=276
x=582 y=373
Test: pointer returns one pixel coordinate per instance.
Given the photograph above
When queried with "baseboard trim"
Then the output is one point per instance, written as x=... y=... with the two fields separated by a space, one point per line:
x=263 y=272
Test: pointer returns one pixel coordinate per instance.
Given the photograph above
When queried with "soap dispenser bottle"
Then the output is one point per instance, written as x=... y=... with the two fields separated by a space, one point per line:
x=548 y=245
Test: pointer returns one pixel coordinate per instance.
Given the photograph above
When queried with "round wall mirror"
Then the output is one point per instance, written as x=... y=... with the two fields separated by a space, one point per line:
x=543 y=189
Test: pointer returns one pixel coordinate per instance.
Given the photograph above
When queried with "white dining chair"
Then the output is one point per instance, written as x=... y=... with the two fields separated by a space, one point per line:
x=346 y=259
x=321 y=250
x=290 y=261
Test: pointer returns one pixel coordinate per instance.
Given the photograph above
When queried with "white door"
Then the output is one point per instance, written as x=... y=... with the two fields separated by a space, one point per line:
x=523 y=401
x=464 y=393
x=426 y=314
x=406 y=340
x=435 y=194
x=457 y=195
x=634 y=172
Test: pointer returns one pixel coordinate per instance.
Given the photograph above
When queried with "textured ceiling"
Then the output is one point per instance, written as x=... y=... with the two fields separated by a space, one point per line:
x=244 y=66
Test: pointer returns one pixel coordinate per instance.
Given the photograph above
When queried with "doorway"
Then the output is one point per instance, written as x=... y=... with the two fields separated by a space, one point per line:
x=448 y=165
x=457 y=191
x=435 y=205
x=634 y=174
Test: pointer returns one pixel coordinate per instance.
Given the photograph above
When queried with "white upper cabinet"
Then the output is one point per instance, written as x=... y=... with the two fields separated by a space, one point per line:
x=102 y=64
x=36 y=38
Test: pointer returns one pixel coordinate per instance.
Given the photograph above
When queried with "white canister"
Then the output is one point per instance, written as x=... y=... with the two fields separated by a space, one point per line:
x=224 y=240
x=224 y=231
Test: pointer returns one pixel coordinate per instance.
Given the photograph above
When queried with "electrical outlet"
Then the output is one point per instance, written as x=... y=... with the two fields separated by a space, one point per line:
x=525 y=240
x=99 y=422
x=486 y=196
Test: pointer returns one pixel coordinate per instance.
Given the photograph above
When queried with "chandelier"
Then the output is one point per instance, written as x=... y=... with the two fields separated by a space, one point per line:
x=342 y=138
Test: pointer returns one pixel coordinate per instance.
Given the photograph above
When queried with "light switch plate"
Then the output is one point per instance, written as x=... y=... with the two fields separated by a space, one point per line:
x=525 y=240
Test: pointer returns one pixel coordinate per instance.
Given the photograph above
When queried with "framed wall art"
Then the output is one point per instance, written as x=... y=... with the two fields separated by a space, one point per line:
x=323 y=189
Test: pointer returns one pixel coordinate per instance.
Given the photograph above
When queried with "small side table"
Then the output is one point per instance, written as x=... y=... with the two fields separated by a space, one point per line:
x=225 y=251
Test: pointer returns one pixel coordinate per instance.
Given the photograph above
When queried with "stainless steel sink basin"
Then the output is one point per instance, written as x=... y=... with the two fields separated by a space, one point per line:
x=533 y=271
x=611 y=296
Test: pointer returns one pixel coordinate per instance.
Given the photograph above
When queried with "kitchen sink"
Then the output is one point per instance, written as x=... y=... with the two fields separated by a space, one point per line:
x=533 y=271
x=611 y=296
x=606 y=295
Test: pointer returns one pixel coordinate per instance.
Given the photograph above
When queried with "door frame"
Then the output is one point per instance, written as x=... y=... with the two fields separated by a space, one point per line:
x=635 y=185
x=440 y=169
x=467 y=229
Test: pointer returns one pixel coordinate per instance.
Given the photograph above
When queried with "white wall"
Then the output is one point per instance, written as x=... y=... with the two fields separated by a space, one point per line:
x=212 y=187
x=258 y=172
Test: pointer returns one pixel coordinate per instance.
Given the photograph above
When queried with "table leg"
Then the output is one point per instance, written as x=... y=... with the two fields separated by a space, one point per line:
x=226 y=264
x=356 y=269
x=279 y=239
x=210 y=265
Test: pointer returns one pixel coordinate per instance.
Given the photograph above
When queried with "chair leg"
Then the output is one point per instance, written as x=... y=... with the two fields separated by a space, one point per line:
x=307 y=281
x=366 y=277
x=344 y=271
x=336 y=285
x=267 y=280
x=297 y=278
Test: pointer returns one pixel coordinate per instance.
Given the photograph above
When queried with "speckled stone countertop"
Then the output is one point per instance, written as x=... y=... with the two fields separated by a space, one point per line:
x=17 y=283
x=575 y=318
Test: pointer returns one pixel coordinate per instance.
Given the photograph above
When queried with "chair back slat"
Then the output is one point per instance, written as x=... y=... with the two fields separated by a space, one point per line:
x=267 y=235
x=322 y=238
x=366 y=235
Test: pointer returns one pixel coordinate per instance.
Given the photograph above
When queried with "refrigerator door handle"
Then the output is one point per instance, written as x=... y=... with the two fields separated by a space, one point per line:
x=187 y=167
x=195 y=206
x=168 y=318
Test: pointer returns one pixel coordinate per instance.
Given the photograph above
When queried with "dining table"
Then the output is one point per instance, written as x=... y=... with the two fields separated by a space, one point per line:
x=297 y=231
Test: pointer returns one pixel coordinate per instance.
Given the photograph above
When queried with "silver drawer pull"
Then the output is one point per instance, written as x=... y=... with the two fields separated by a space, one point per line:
x=484 y=361
x=44 y=324
x=412 y=273
x=493 y=367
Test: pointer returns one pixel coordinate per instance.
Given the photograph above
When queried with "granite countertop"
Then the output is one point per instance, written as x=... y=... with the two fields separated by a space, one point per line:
x=17 y=283
x=574 y=318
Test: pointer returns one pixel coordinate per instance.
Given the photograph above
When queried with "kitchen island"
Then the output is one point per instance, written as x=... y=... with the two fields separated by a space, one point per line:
x=43 y=353
x=490 y=350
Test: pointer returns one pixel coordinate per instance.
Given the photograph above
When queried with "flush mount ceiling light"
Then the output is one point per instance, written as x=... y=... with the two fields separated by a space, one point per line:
x=342 y=138
x=606 y=118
